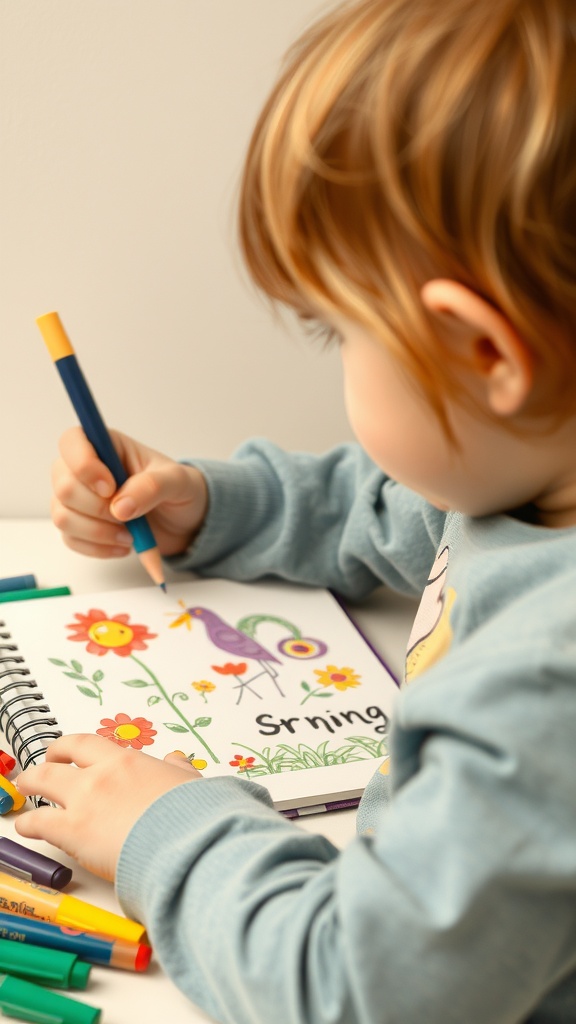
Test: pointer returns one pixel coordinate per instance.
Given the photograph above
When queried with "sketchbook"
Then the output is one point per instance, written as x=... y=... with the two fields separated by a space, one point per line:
x=265 y=681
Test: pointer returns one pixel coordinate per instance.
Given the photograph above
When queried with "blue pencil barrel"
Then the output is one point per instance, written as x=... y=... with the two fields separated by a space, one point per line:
x=97 y=433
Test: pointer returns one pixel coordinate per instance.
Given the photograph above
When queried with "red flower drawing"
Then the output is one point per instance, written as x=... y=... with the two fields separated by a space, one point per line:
x=242 y=763
x=231 y=670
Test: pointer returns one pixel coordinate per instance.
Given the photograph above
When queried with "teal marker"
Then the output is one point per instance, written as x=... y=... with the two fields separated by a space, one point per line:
x=51 y=967
x=32 y=595
x=27 y=1001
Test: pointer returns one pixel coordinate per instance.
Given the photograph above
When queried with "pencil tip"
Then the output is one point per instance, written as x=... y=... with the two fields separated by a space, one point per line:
x=163 y=587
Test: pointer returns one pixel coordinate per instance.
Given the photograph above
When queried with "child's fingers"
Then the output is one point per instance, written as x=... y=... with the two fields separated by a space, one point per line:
x=53 y=782
x=82 y=749
x=87 y=529
x=84 y=464
x=43 y=823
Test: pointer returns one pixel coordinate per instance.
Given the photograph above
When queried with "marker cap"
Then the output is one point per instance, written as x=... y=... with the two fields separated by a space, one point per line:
x=6 y=802
x=75 y=913
x=51 y=967
x=7 y=762
x=18 y=800
x=25 y=582
x=33 y=866
x=27 y=1001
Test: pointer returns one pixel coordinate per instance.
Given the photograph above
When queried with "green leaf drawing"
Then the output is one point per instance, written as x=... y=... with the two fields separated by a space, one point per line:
x=154 y=699
x=174 y=727
x=74 y=671
x=87 y=692
x=201 y=723
x=136 y=682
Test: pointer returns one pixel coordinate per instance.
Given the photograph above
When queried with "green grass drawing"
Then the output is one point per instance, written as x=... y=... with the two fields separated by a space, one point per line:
x=285 y=758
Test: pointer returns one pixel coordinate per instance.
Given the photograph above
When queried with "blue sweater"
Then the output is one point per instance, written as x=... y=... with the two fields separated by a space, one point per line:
x=456 y=903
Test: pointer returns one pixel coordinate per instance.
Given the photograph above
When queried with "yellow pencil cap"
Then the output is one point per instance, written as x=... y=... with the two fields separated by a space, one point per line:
x=57 y=341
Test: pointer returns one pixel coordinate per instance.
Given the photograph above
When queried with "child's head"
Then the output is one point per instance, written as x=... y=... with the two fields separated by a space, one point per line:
x=418 y=139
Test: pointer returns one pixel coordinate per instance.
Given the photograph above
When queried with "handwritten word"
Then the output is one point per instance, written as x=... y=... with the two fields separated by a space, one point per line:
x=330 y=722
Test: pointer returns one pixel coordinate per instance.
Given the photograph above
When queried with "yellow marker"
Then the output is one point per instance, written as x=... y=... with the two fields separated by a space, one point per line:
x=11 y=799
x=31 y=900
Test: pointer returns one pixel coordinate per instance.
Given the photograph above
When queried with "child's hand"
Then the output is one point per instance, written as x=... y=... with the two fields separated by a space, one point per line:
x=174 y=497
x=101 y=790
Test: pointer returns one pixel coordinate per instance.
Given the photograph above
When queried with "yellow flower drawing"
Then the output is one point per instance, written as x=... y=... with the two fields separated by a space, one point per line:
x=339 y=678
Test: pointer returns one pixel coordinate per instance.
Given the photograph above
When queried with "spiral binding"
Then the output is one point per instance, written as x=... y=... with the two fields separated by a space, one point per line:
x=25 y=718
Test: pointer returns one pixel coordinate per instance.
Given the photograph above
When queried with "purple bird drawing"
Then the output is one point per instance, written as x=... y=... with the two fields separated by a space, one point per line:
x=235 y=642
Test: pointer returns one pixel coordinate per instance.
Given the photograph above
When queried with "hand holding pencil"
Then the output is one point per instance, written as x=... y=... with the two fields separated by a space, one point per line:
x=88 y=506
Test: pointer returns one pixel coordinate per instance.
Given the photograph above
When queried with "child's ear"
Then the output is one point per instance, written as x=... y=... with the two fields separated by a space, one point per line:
x=498 y=356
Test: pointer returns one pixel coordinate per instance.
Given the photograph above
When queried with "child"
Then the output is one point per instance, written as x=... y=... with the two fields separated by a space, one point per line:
x=411 y=184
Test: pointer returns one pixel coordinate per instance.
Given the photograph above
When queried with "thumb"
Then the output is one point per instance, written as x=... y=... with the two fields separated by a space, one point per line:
x=144 y=491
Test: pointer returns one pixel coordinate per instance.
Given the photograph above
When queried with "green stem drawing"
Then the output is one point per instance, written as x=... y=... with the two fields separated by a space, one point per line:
x=320 y=691
x=156 y=682
x=75 y=671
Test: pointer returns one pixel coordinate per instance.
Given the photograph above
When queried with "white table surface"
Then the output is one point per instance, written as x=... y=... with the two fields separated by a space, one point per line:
x=34 y=545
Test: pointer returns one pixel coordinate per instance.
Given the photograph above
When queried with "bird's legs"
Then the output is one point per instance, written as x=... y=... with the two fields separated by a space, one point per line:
x=267 y=670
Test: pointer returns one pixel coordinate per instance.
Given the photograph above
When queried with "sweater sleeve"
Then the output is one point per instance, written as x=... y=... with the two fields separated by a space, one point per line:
x=333 y=520
x=459 y=908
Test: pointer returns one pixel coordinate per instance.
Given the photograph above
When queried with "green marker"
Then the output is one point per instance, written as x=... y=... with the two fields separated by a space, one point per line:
x=31 y=1002
x=30 y=595
x=51 y=967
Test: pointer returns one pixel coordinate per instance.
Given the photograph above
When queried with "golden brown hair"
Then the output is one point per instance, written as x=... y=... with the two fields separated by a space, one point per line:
x=407 y=139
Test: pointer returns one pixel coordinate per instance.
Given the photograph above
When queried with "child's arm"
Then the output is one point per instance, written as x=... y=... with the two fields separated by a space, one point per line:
x=459 y=908
x=332 y=520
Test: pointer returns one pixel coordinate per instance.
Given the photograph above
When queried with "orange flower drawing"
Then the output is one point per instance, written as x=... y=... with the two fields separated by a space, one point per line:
x=128 y=732
x=339 y=678
x=102 y=634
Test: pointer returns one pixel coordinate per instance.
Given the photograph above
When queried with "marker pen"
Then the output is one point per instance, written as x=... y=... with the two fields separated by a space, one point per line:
x=25 y=582
x=27 y=1001
x=32 y=900
x=29 y=595
x=7 y=763
x=97 y=949
x=10 y=798
x=50 y=967
x=32 y=866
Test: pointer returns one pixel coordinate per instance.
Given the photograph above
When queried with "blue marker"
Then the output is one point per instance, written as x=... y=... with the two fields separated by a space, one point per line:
x=96 y=949
x=26 y=582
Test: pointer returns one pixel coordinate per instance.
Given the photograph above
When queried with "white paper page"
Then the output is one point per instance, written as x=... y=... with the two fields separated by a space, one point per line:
x=268 y=681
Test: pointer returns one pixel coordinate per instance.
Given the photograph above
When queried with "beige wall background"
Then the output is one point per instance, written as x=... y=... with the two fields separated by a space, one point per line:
x=123 y=125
